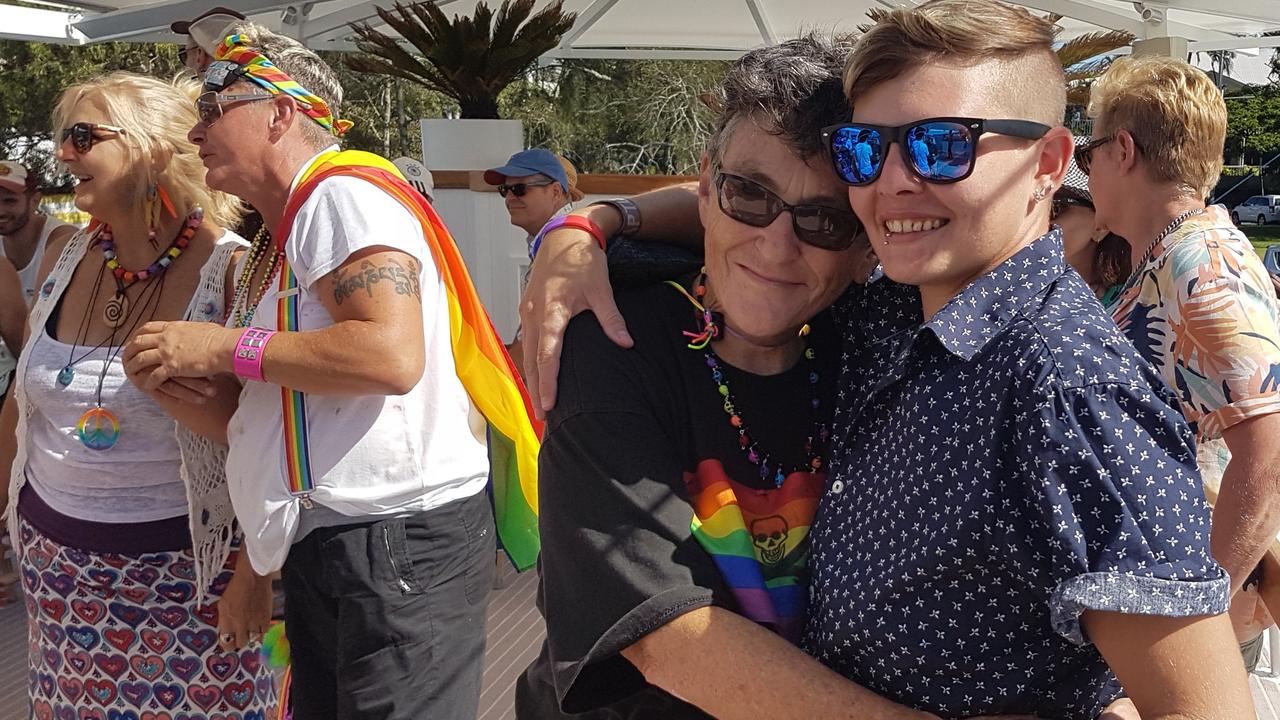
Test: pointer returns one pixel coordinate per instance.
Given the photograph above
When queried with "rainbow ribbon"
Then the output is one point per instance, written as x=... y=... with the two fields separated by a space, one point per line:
x=297 y=453
x=262 y=71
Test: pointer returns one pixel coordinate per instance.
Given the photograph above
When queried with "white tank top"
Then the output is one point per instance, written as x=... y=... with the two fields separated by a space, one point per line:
x=137 y=480
x=29 y=273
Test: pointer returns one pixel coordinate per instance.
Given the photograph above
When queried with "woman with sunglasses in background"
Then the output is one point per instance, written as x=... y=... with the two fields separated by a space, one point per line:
x=1101 y=257
x=121 y=517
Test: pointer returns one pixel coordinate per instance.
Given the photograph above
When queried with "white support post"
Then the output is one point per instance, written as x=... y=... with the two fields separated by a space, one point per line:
x=36 y=25
x=293 y=21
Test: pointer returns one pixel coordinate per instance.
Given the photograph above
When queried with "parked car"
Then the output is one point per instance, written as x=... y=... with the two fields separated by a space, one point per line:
x=1261 y=209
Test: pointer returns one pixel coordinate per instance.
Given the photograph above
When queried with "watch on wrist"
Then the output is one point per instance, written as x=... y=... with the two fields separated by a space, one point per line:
x=629 y=211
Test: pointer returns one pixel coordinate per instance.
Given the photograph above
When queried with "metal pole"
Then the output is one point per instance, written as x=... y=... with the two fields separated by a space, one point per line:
x=1246 y=179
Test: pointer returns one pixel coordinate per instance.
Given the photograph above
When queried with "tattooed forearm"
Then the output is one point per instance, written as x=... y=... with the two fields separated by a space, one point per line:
x=404 y=280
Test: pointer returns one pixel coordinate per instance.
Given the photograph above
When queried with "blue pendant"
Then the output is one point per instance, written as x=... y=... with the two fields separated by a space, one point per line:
x=66 y=375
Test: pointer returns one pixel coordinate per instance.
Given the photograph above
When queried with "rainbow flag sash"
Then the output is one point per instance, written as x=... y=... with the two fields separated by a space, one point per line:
x=483 y=366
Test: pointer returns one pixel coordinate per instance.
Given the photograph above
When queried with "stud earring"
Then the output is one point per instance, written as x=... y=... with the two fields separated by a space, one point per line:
x=1040 y=194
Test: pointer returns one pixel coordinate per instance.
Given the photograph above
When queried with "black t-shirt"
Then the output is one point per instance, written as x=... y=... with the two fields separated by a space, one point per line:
x=650 y=508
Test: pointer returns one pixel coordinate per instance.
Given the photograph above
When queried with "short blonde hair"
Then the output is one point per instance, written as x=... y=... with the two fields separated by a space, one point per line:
x=1175 y=114
x=156 y=116
x=967 y=31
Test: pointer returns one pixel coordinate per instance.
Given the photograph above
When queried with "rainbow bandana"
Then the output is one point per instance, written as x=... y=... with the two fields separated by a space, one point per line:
x=234 y=60
x=482 y=363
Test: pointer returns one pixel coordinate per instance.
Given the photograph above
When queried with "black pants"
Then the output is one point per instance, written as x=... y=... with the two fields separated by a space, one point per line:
x=385 y=620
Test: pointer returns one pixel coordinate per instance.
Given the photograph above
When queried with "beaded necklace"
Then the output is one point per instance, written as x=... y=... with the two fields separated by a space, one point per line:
x=814 y=445
x=116 y=311
x=243 y=304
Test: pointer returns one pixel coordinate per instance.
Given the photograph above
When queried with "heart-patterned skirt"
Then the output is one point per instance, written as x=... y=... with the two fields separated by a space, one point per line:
x=119 y=637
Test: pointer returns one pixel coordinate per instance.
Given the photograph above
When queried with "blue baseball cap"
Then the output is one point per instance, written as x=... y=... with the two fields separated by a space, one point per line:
x=530 y=162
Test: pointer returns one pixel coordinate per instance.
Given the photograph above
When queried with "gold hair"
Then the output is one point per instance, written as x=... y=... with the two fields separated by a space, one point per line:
x=156 y=116
x=966 y=31
x=1175 y=114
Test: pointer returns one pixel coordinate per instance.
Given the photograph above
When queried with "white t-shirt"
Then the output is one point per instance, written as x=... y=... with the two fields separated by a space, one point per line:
x=370 y=455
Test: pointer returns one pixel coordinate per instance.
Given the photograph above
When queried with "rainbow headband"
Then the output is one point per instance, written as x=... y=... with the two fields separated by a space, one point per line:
x=236 y=60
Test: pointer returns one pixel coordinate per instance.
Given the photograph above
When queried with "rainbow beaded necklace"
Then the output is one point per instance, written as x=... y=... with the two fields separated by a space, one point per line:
x=816 y=443
x=116 y=311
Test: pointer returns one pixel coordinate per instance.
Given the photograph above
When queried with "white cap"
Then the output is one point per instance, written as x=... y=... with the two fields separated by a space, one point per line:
x=208 y=32
x=13 y=176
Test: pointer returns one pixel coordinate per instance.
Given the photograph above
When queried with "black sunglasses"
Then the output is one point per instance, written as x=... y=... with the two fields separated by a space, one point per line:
x=1084 y=153
x=749 y=202
x=84 y=135
x=1060 y=205
x=938 y=150
x=519 y=189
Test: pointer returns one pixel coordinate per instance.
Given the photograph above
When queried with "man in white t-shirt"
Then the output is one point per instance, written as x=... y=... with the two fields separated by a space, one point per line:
x=387 y=557
x=24 y=234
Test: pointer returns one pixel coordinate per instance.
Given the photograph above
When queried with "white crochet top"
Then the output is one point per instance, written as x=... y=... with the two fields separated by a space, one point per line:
x=212 y=519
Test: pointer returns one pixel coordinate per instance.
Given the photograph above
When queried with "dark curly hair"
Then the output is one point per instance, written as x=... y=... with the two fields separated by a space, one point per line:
x=791 y=90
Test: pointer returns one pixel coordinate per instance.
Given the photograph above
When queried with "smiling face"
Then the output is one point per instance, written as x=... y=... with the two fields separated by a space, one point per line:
x=16 y=209
x=765 y=281
x=941 y=237
x=532 y=210
x=110 y=175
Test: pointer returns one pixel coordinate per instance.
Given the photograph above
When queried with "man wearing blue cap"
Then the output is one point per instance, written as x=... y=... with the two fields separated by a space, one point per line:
x=537 y=185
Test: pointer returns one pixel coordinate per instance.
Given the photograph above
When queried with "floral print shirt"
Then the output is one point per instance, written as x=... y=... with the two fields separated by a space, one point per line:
x=1203 y=312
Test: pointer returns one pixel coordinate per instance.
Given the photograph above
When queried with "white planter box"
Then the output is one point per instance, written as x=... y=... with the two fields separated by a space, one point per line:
x=494 y=250
x=470 y=144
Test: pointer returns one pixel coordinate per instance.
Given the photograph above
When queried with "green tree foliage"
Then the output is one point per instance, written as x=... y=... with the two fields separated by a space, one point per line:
x=470 y=59
x=385 y=110
x=618 y=116
x=33 y=76
x=1253 y=125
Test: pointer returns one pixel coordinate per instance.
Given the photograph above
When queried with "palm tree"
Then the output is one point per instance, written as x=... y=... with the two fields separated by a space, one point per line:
x=1085 y=59
x=470 y=59
x=1222 y=62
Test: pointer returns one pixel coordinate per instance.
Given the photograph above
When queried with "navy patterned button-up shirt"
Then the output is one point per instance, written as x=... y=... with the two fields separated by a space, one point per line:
x=998 y=471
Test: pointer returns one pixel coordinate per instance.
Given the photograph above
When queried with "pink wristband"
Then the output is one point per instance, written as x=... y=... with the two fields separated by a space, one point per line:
x=247 y=361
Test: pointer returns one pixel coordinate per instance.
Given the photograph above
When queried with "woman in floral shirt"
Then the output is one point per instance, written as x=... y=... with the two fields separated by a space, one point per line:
x=1199 y=304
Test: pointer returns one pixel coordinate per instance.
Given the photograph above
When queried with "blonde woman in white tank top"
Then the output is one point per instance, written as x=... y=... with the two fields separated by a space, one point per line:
x=121 y=519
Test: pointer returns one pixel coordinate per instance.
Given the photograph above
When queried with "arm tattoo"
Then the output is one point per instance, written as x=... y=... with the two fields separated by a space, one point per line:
x=405 y=280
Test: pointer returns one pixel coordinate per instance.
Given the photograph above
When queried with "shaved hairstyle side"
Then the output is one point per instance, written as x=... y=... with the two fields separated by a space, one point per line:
x=965 y=32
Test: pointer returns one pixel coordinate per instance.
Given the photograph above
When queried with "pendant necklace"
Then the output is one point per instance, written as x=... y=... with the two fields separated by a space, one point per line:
x=116 y=311
x=68 y=371
x=99 y=428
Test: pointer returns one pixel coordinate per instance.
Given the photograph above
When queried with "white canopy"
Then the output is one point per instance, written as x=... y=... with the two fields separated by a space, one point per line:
x=693 y=29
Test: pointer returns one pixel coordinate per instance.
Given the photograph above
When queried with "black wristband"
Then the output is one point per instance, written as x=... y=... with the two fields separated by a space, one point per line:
x=629 y=211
